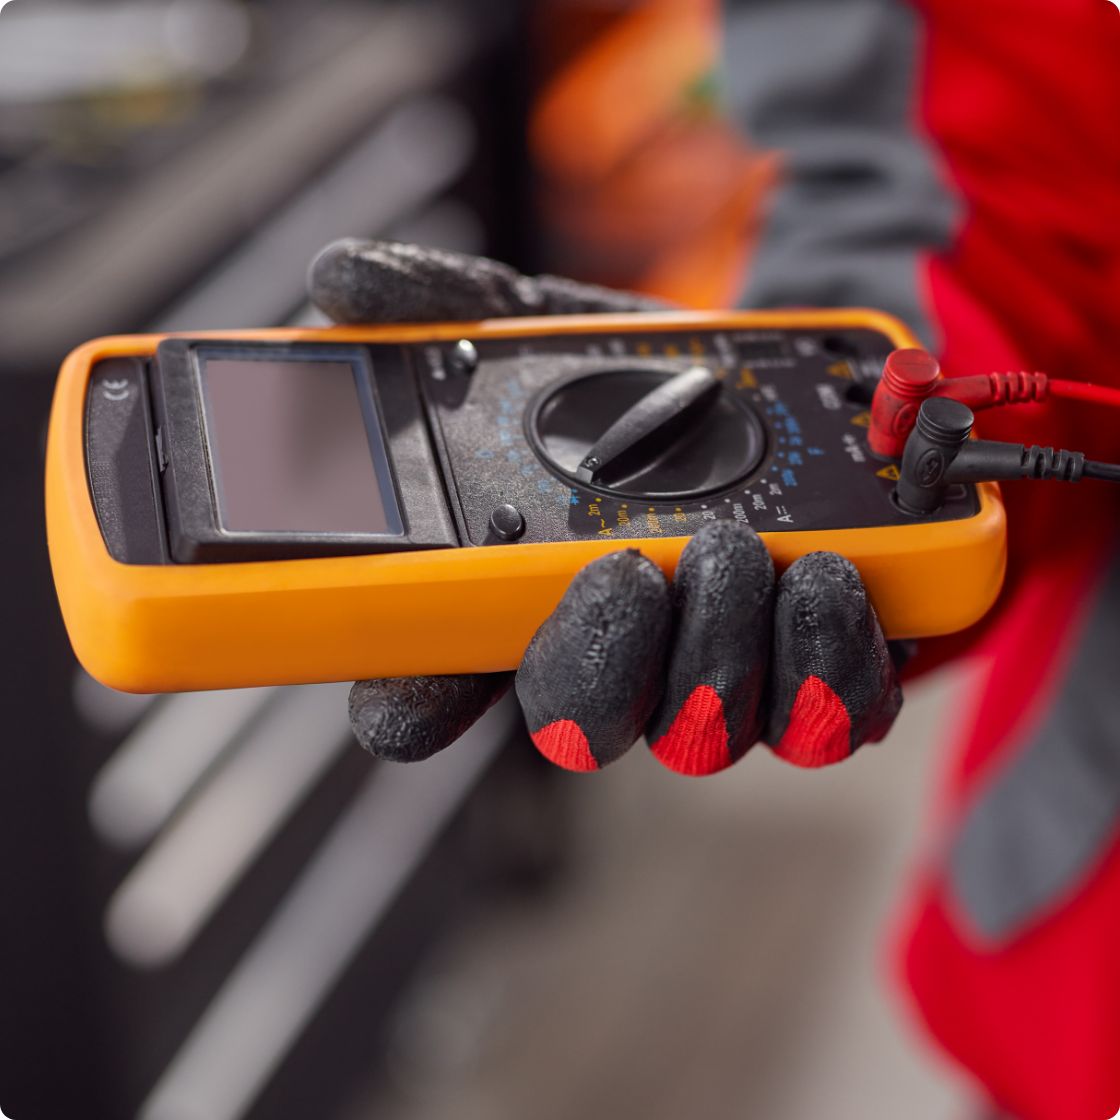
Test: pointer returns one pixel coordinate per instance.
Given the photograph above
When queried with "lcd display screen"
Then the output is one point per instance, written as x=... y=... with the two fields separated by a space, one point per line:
x=294 y=446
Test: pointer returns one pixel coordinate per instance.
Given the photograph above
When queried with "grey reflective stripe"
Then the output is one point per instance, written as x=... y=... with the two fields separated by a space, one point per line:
x=1037 y=834
x=832 y=84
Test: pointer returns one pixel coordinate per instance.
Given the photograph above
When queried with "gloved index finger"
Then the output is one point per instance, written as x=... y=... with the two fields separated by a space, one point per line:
x=356 y=281
x=593 y=672
x=711 y=710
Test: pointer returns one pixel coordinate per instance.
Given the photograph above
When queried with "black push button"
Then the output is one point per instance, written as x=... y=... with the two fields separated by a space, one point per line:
x=464 y=357
x=506 y=523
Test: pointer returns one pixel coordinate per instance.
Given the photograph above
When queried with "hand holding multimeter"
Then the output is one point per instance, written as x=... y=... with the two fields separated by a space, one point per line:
x=626 y=653
x=385 y=502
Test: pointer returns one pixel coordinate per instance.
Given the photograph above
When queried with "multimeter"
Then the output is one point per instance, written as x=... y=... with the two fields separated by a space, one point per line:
x=289 y=506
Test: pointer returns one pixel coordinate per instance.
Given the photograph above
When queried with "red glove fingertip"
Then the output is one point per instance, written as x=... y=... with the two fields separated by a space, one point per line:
x=819 y=732
x=696 y=742
x=565 y=745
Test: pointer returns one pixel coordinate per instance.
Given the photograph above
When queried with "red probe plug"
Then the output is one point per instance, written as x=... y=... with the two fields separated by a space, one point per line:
x=909 y=377
x=912 y=376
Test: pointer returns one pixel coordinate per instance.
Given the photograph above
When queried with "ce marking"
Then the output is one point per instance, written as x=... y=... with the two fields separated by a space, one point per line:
x=116 y=390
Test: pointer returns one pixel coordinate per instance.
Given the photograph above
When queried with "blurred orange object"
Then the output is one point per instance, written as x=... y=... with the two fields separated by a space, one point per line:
x=609 y=98
x=642 y=182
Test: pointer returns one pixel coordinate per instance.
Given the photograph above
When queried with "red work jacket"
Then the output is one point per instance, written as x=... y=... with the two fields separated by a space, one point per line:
x=958 y=162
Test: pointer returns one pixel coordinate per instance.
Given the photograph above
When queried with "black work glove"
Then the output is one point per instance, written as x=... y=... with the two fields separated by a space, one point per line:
x=703 y=667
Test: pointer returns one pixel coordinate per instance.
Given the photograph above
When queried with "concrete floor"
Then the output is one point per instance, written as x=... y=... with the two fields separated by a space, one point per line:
x=717 y=953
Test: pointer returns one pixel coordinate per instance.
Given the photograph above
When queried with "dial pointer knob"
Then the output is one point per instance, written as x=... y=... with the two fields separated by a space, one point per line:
x=652 y=430
x=656 y=418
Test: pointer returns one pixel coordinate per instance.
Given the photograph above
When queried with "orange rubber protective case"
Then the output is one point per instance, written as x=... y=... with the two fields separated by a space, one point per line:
x=471 y=609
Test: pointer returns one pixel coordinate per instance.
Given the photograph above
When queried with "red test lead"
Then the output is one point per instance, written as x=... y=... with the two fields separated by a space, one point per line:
x=912 y=376
x=909 y=377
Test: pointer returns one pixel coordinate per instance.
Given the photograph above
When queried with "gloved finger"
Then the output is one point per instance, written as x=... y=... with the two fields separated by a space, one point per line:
x=391 y=282
x=593 y=671
x=712 y=705
x=833 y=685
x=408 y=719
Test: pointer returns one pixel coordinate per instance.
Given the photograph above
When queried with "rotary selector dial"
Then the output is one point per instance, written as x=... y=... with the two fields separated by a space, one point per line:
x=653 y=431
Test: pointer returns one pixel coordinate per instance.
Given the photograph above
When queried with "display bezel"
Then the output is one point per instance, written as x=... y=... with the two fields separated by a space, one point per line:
x=415 y=509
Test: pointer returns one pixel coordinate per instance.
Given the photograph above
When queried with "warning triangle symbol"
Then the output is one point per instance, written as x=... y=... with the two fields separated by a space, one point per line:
x=890 y=473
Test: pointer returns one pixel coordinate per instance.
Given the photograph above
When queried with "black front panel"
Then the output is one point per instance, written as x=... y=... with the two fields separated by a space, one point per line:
x=809 y=391
x=275 y=451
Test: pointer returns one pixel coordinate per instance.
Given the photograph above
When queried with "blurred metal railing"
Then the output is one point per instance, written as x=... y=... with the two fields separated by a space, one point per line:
x=332 y=908
x=232 y=904
x=178 y=219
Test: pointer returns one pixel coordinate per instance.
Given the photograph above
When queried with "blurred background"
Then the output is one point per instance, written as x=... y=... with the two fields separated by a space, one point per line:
x=215 y=907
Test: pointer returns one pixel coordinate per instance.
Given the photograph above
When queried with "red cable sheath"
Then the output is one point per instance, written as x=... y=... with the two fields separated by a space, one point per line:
x=1080 y=391
x=990 y=390
x=913 y=376
x=993 y=389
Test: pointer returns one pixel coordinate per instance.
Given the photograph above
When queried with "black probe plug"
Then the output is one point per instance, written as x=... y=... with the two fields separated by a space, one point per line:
x=939 y=453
